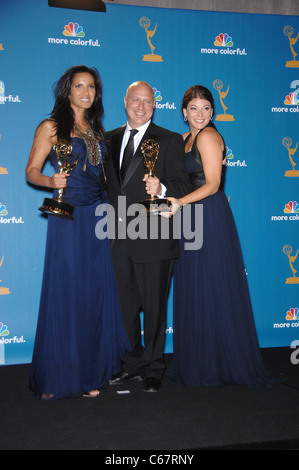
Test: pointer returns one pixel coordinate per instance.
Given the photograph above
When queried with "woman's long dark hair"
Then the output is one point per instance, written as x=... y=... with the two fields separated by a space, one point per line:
x=62 y=112
x=197 y=91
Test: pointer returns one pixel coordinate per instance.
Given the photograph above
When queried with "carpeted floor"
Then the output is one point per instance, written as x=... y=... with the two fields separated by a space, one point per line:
x=176 y=419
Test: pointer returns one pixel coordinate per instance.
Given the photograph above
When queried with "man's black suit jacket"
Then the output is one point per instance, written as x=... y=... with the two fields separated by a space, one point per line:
x=170 y=169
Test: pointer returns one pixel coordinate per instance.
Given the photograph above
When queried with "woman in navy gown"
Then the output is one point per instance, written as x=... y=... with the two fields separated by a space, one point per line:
x=80 y=334
x=215 y=340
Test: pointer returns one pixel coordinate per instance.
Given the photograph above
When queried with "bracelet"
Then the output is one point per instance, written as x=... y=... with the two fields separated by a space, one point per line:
x=181 y=204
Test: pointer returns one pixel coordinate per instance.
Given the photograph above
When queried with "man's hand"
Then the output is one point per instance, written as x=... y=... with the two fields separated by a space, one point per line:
x=152 y=185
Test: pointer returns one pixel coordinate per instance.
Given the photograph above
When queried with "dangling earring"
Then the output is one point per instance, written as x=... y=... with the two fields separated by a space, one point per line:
x=211 y=118
x=185 y=118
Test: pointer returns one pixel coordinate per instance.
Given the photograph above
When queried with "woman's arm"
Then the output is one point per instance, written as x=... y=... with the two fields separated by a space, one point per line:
x=210 y=146
x=44 y=139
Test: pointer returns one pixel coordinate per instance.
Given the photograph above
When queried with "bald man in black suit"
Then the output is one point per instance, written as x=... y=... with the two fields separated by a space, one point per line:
x=144 y=267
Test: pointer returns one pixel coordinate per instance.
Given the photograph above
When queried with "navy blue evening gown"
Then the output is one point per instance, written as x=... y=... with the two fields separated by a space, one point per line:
x=80 y=333
x=215 y=341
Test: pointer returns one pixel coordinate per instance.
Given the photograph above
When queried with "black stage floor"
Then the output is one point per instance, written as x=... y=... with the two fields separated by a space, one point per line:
x=176 y=420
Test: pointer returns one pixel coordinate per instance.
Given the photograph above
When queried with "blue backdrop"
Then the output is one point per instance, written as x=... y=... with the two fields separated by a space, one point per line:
x=249 y=62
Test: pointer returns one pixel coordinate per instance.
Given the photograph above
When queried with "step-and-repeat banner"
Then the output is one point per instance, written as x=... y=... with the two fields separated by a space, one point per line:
x=249 y=61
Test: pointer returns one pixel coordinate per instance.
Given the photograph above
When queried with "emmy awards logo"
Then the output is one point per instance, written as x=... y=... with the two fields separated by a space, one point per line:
x=287 y=142
x=150 y=151
x=66 y=164
x=145 y=24
x=287 y=249
x=288 y=31
x=3 y=290
x=218 y=85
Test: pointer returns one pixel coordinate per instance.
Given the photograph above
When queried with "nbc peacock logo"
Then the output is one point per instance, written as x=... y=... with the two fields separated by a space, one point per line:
x=223 y=40
x=229 y=159
x=3 y=210
x=3 y=330
x=292 y=317
x=292 y=314
x=292 y=99
x=229 y=153
x=73 y=34
x=73 y=29
x=4 y=341
x=8 y=220
x=224 y=44
x=158 y=98
x=157 y=95
x=291 y=212
x=292 y=207
x=7 y=99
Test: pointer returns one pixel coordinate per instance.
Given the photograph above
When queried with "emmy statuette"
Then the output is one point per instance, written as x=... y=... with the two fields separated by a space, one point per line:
x=66 y=164
x=150 y=151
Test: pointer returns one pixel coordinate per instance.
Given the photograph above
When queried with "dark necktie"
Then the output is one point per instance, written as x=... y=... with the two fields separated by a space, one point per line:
x=128 y=154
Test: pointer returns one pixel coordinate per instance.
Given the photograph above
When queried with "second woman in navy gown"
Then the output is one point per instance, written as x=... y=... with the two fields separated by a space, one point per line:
x=215 y=340
x=80 y=333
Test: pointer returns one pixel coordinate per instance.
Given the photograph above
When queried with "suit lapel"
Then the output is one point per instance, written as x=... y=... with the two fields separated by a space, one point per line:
x=138 y=157
x=116 y=146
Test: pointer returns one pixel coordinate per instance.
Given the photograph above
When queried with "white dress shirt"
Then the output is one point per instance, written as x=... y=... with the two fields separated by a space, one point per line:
x=137 y=139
